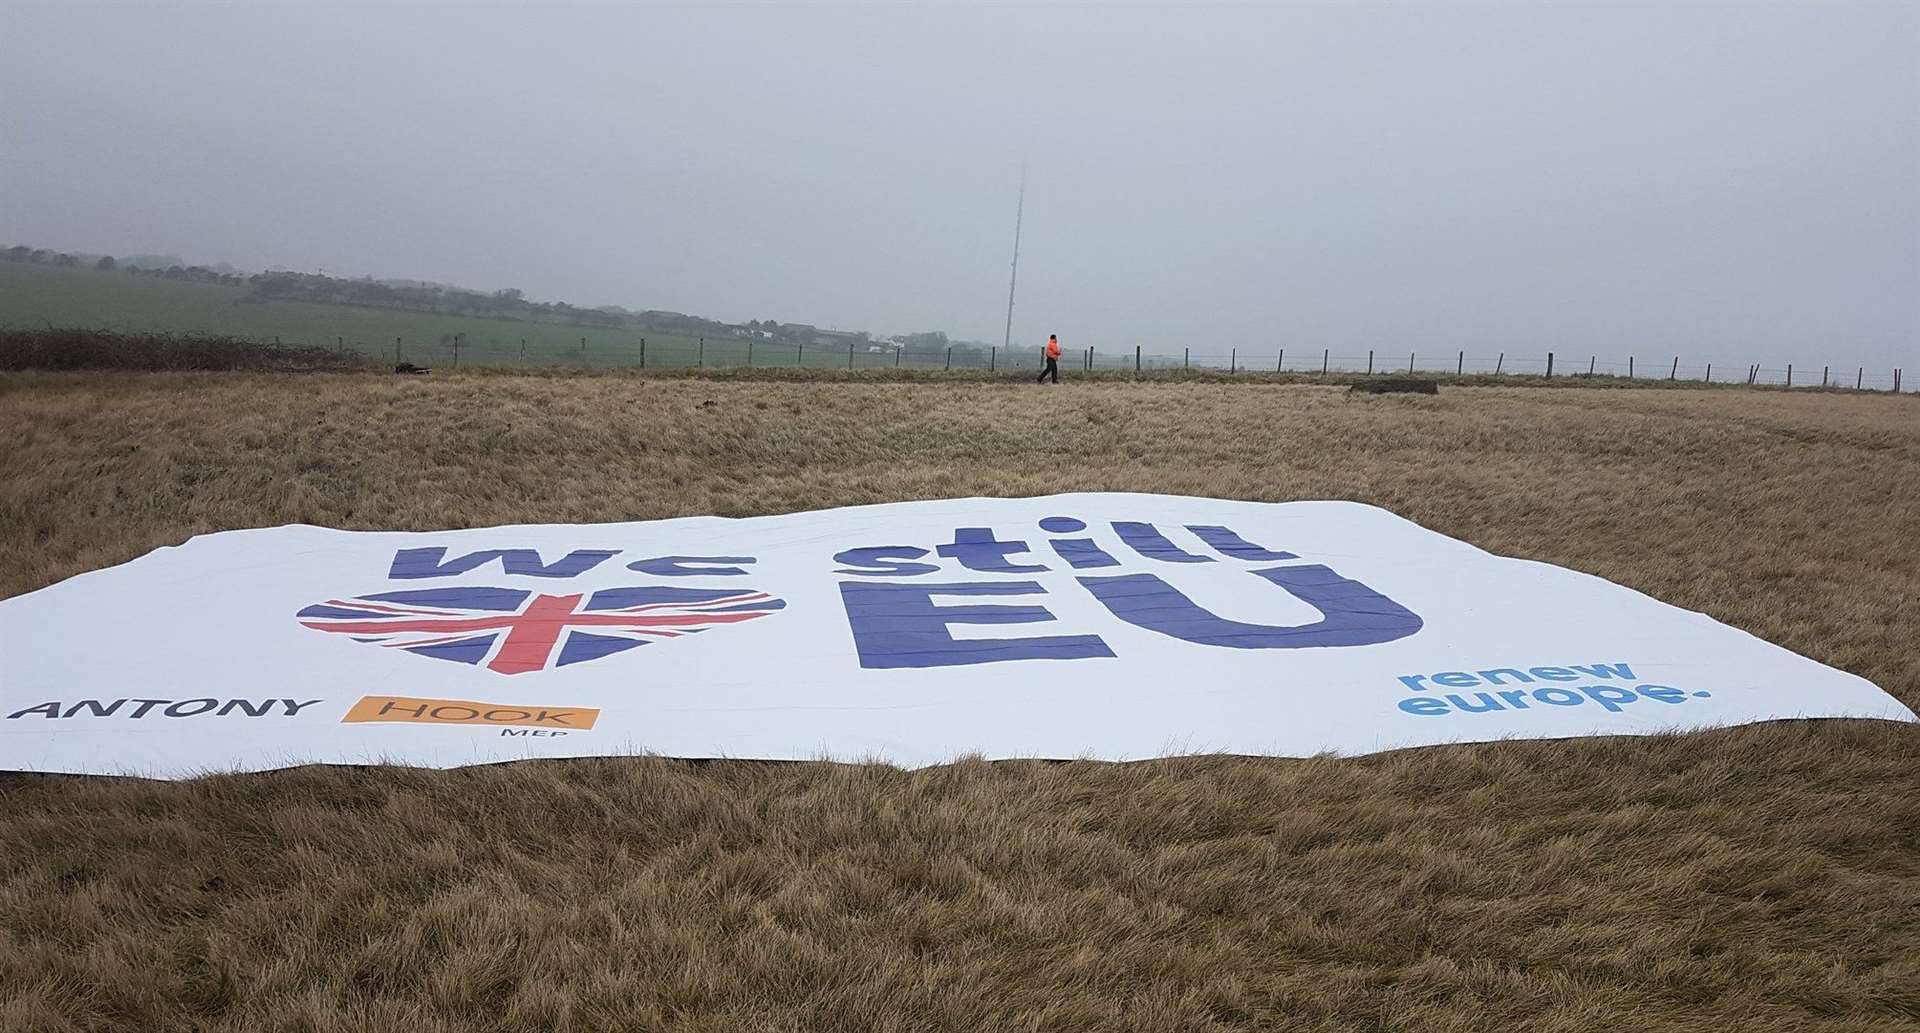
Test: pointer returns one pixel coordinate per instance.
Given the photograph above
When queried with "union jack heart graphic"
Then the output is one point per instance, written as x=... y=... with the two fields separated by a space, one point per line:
x=515 y=631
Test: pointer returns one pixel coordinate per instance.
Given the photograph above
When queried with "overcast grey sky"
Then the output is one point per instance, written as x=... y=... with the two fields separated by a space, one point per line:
x=1727 y=181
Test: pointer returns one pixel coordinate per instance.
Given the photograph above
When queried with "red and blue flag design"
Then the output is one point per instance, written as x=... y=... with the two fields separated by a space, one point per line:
x=513 y=631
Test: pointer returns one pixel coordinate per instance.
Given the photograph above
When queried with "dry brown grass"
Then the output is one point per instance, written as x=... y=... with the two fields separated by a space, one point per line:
x=1760 y=878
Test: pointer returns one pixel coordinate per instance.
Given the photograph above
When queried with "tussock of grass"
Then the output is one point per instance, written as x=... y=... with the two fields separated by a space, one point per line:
x=1758 y=878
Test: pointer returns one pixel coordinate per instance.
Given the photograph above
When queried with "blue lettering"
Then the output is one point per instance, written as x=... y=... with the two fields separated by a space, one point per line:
x=685 y=566
x=1147 y=540
x=1082 y=553
x=1423 y=706
x=1486 y=703
x=976 y=549
x=884 y=560
x=1229 y=544
x=1663 y=693
x=1608 y=696
x=1621 y=671
x=1352 y=613
x=899 y=626
x=423 y=563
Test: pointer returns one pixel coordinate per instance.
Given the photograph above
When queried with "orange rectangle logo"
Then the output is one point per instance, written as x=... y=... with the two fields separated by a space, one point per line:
x=466 y=712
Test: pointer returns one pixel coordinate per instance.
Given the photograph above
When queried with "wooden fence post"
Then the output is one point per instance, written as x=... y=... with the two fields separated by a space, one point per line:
x=1369 y=362
x=1136 y=358
x=1409 y=363
x=1280 y=364
x=1460 y=364
x=1324 y=352
x=1674 y=373
x=1591 y=359
x=949 y=356
x=1233 y=360
x=1789 y=374
x=1549 y=365
x=1502 y=361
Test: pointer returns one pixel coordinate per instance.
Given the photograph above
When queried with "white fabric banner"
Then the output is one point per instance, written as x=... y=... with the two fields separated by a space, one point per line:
x=1111 y=626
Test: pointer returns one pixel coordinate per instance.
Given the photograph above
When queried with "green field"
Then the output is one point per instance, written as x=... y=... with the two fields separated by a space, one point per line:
x=42 y=295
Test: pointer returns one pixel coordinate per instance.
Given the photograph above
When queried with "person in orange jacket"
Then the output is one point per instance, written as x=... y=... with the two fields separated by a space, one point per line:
x=1053 y=360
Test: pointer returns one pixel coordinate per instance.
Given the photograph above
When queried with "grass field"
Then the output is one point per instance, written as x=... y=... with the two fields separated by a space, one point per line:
x=1764 y=878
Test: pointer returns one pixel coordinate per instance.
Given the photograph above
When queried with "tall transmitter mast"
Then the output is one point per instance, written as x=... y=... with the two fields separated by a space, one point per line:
x=1006 y=343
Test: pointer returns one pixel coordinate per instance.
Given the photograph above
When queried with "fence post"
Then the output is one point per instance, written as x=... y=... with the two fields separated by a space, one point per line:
x=703 y=353
x=949 y=356
x=1369 y=362
x=1409 y=363
x=1858 y=376
x=1089 y=360
x=1823 y=375
x=1136 y=358
x=1549 y=365
x=1280 y=364
x=583 y=349
x=992 y=351
x=749 y=351
x=1709 y=372
x=1233 y=361
x=1629 y=367
x=1674 y=373
x=1460 y=363
x=1591 y=359
x=896 y=357
x=1186 y=358
x=1789 y=374
x=523 y=351
x=1499 y=363
x=849 y=355
x=456 y=349
x=643 y=353
x=1324 y=352
x=396 y=351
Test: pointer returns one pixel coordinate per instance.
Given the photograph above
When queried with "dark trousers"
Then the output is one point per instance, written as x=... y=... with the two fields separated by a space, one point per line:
x=1052 y=370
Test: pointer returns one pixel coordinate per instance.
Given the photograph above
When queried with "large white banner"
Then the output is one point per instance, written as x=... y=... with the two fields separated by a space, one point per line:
x=1112 y=626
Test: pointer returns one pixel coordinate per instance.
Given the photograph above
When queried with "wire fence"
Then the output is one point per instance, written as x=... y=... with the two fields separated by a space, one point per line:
x=673 y=351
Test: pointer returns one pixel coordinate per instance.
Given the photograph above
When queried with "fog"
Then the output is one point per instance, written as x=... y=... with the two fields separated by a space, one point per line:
x=1737 y=183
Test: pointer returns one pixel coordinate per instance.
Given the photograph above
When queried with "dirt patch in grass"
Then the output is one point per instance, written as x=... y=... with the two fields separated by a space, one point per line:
x=1759 y=878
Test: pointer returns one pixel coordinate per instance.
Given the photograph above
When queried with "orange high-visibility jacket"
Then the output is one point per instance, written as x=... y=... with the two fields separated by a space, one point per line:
x=1053 y=347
